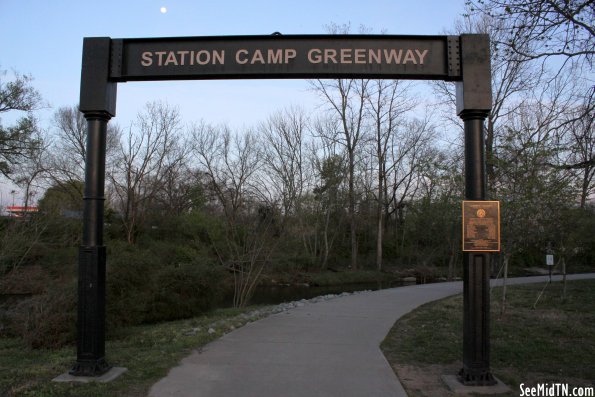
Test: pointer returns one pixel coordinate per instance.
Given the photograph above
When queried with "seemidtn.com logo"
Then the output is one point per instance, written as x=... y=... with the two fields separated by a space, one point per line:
x=556 y=390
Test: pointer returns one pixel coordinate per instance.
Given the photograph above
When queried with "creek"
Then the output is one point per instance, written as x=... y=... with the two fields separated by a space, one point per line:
x=272 y=295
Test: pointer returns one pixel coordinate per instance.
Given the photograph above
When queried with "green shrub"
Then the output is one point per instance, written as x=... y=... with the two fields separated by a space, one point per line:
x=127 y=296
x=157 y=282
x=170 y=252
x=184 y=291
x=47 y=320
x=60 y=261
x=130 y=273
x=17 y=239
x=136 y=293
x=25 y=280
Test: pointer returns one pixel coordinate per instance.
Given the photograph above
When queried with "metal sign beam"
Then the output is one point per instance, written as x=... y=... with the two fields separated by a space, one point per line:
x=285 y=57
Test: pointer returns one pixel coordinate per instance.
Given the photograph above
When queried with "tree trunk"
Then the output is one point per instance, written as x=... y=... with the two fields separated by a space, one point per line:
x=489 y=151
x=27 y=198
x=504 y=279
x=352 y=219
x=585 y=187
x=379 y=239
x=325 y=239
x=563 y=280
x=380 y=225
x=451 y=266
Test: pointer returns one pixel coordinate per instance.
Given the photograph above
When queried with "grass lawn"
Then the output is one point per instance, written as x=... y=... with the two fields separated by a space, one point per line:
x=553 y=343
x=147 y=351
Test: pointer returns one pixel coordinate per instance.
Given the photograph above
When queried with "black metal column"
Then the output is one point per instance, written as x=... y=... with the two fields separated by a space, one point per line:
x=91 y=285
x=98 y=103
x=476 y=292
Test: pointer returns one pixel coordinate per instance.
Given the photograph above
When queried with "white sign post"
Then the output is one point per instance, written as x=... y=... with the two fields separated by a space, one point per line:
x=549 y=261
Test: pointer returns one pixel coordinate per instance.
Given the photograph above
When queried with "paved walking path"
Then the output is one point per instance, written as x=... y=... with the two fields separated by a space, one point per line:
x=329 y=348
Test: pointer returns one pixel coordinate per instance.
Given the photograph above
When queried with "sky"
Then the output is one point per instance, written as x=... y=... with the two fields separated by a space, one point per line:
x=44 y=39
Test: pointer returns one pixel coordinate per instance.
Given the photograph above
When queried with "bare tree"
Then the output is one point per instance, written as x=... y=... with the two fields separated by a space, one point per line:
x=549 y=35
x=181 y=189
x=283 y=143
x=287 y=175
x=348 y=100
x=551 y=27
x=577 y=138
x=31 y=170
x=231 y=163
x=388 y=101
x=149 y=149
x=511 y=77
x=328 y=160
x=532 y=194
x=441 y=184
x=408 y=150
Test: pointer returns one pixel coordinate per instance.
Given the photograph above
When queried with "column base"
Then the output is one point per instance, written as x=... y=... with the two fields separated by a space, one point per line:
x=90 y=367
x=456 y=387
x=476 y=377
x=109 y=376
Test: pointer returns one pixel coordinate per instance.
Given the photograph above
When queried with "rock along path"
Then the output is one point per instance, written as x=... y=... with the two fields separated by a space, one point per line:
x=329 y=348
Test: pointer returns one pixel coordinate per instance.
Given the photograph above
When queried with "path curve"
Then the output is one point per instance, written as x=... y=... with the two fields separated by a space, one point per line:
x=328 y=349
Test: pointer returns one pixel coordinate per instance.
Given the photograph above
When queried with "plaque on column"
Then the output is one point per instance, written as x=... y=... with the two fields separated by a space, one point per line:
x=481 y=226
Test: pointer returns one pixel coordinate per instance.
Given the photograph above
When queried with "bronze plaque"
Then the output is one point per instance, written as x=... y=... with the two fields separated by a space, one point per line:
x=481 y=226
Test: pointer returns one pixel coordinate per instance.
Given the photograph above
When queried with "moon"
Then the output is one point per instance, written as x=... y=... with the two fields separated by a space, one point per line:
x=163 y=10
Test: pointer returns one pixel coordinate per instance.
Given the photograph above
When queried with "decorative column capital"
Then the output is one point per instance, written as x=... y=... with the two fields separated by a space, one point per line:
x=474 y=114
x=97 y=115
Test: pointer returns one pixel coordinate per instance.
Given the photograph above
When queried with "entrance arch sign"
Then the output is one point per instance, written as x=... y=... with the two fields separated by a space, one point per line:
x=278 y=57
x=464 y=59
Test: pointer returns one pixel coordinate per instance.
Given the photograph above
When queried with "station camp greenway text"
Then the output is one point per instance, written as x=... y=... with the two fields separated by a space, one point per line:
x=244 y=56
